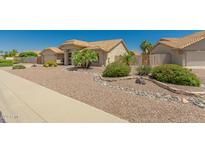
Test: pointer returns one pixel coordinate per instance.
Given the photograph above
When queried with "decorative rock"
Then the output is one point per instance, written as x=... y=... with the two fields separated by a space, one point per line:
x=157 y=95
x=140 y=81
x=184 y=100
x=161 y=96
x=197 y=101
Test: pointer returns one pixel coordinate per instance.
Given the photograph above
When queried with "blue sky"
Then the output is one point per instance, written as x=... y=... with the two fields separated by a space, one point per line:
x=40 y=39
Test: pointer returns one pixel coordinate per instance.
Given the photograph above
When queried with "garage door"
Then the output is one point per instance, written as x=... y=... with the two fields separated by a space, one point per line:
x=158 y=59
x=49 y=58
x=195 y=58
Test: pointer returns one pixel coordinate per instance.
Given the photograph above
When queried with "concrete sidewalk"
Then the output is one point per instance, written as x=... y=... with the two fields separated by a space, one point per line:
x=24 y=101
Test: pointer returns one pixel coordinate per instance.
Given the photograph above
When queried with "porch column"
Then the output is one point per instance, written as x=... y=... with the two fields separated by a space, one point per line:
x=66 y=58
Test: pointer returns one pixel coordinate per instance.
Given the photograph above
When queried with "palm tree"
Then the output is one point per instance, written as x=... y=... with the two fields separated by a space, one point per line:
x=146 y=46
x=128 y=58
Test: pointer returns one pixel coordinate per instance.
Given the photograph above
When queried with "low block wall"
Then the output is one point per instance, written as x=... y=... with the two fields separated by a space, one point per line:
x=27 y=59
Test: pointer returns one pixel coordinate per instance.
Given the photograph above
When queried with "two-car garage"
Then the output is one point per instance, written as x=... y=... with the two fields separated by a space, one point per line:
x=187 y=51
x=195 y=58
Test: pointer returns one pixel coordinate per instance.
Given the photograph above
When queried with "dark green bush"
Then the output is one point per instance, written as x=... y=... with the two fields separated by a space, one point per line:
x=19 y=67
x=175 y=74
x=116 y=69
x=50 y=64
x=5 y=63
x=144 y=70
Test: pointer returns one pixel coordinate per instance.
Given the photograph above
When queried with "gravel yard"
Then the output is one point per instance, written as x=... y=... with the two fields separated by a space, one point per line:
x=81 y=86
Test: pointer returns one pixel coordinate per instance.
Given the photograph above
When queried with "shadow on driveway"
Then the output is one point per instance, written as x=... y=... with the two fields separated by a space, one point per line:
x=1 y=118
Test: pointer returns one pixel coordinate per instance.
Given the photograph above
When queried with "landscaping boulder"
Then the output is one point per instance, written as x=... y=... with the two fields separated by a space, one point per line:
x=140 y=80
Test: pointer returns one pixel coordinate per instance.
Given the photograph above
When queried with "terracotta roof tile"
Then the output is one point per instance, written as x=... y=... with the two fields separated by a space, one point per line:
x=105 y=45
x=54 y=49
x=183 y=42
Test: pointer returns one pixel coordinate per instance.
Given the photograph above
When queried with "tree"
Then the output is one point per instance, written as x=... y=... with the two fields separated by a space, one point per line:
x=11 y=53
x=145 y=46
x=84 y=58
x=28 y=54
x=128 y=58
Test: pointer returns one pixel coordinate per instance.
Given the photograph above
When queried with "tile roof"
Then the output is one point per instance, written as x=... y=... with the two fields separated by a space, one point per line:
x=183 y=42
x=105 y=45
x=54 y=49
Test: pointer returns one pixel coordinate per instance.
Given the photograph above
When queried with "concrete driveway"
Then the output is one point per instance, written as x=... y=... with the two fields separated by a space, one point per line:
x=24 y=101
x=200 y=73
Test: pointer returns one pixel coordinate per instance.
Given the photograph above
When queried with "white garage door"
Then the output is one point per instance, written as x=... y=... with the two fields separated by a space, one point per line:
x=158 y=59
x=195 y=58
x=49 y=58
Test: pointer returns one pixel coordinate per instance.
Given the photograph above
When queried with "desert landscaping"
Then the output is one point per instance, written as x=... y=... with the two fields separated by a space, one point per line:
x=132 y=106
x=165 y=83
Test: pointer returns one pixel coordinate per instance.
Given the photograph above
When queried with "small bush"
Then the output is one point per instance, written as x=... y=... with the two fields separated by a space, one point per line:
x=5 y=63
x=116 y=70
x=16 y=61
x=144 y=70
x=175 y=74
x=19 y=67
x=50 y=64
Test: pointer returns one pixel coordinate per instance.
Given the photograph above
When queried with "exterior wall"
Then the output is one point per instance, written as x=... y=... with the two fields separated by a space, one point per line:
x=26 y=59
x=49 y=54
x=102 y=57
x=115 y=52
x=175 y=56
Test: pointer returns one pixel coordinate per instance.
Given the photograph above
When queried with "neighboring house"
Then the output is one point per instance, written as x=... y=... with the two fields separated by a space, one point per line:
x=107 y=50
x=52 y=54
x=1 y=55
x=186 y=51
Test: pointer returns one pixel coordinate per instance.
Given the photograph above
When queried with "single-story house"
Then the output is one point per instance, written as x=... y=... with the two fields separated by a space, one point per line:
x=107 y=50
x=52 y=54
x=188 y=51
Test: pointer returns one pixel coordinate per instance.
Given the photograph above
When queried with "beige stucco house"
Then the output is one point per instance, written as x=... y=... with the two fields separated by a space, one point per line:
x=52 y=54
x=188 y=51
x=107 y=50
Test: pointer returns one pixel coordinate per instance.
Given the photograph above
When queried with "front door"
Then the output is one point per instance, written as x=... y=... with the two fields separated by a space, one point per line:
x=70 y=58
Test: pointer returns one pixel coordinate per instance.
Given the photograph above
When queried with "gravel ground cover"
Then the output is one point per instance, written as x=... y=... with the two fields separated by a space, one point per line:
x=81 y=86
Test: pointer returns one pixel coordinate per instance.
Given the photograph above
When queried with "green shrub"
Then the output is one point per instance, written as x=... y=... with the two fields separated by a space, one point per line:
x=128 y=58
x=84 y=58
x=116 y=69
x=19 y=67
x=5 y=63
x=28 y=54
x=50 y=64
x=16 y=61
x=175 y=74
x=144 y=70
